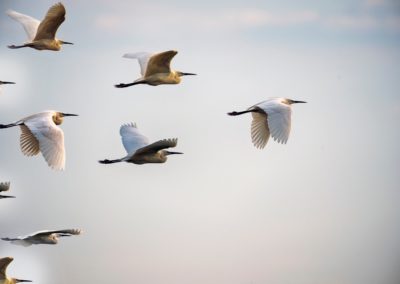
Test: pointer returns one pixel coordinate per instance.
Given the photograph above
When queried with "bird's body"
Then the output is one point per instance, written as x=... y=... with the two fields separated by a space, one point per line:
x=155 y=69
x=139 y=150
x=41 y=35
x=4 y=279
x=42 y=237
x=40 y=133
x=270 y=118
x=5 y=186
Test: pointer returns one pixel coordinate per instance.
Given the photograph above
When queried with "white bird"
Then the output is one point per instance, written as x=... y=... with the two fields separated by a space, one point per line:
x=155 y=69
x=41 y=35
x=4 y=279
x=139 y=150
x=270 y=117
x=43 y=237
x=5 y=186
x=40 y=133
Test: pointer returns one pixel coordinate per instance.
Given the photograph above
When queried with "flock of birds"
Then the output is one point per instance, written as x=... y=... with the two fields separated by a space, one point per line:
x=40 y=133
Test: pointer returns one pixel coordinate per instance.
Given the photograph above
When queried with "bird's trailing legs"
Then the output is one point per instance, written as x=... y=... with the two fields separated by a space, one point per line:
x=233 y=113
x=106 y=161
x=122 y=85
x=19 y=46
x=9 y=125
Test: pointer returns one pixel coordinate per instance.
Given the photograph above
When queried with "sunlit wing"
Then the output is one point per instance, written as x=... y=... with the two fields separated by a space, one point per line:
x=51 y=22
x=157 y=146
x=259 y=130
x=4 y=262
x=132 y=139
x=29 y=24
x=51 y=140
x=28 y=143
x=279 y=121
x=142 y=57
x=160 y=63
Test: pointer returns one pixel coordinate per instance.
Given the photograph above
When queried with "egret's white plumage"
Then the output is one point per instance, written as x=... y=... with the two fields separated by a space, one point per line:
x=155 y=69
x=271 y=117
x=40 y=133
x=43 y=237
x=138 y=149
x=41 y=35
x=4 y=279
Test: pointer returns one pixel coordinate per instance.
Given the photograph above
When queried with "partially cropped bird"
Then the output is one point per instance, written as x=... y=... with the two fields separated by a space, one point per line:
x=139 y=150
x=4 y=279
x=5 y=186
x=40 y=133
x=41 y=35
x=6 y=82
x=43 y=237
x=155 y=69
x=270 y=118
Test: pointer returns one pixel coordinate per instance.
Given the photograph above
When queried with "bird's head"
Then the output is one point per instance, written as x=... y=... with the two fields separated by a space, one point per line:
x=15 y=280
x=64 y=42
x=180 y=74
x=290 y=102
x=54 y=238
x=58 y=117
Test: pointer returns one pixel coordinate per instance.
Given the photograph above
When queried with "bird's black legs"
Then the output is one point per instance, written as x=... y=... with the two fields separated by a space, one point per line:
x=122 y=85
x=233 y=113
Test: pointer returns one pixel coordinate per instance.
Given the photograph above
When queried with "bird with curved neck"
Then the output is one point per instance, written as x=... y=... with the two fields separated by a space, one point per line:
x=41 y=35
x=155 y=69
x=40 y=133
x=139 y=150
x=4 y=279
x=270 y=118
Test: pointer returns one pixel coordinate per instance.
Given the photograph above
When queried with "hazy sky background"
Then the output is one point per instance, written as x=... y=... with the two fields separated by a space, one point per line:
x=322 y=209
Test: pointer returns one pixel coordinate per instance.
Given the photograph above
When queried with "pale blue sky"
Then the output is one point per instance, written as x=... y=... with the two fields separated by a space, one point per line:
x=321 y=209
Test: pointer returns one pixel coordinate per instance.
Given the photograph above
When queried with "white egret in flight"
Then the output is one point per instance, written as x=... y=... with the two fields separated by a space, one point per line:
x=41 y=35
x=5 y=186
x=4 y=279
x=155 y=69
x=40 y=133
x=270 y=117
x=43 y=237
x=139 y=150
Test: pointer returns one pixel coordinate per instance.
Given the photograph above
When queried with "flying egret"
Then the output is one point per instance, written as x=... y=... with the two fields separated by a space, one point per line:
x=155 y=69
x=5 y=186
x=41 y=35
x=43 y=237
x=270 y=117
x=139 y=150
x=4 y=262
x=40 y=133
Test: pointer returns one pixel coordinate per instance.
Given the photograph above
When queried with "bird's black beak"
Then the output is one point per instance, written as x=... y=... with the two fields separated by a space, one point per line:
x=65 y=42
x=187 y=74
x=6 y=196
x=298 y=102
x=5 y=82
x=68 y=114
x=173 y=153
x=21 y=280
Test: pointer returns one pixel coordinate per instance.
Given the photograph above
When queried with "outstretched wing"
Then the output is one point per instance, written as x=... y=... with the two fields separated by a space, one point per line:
x=132 y=139
x=279 y=119
x=259 y=130
x=29 y=24
x=4 y=186
x=28 y=143
x=50 y=138
x=62 y=232
x=157 y=146
x=53 y=19
x=160 y=63
x=4 y=262
x=142 y=57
